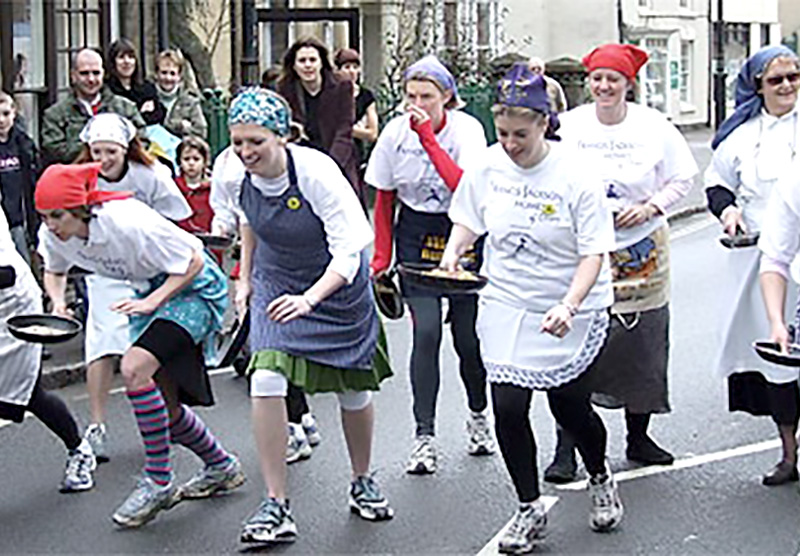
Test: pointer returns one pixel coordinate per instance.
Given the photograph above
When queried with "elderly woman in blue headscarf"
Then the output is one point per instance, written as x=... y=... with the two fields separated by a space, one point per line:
x=418 y=160
x=543 y=316
x=752 y=150
x=305 y=277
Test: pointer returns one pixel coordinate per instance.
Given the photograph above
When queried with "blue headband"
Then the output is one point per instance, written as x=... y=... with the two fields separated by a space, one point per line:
x=261 y=107
x=748 y=102
x=430 y=66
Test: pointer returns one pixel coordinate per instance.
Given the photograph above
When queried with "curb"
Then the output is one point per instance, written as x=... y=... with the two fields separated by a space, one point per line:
x=71 y=373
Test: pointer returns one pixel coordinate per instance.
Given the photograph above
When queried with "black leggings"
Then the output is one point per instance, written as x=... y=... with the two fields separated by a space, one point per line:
x=53 y=412
x=426 y=313
x=296 y=404
x=572 y=409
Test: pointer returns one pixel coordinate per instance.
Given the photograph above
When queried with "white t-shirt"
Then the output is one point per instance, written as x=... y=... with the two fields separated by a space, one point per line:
x=127 y=240
x=399 y=162
x=780 y=231
x=634 y=160
x=226 y=184
x=540 y=221
x=332 y=200
x=752 y=158
x=151 y=187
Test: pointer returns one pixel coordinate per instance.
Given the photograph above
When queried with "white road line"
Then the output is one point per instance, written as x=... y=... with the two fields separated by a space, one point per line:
x=693 y=461
x=491 y=547
x=121 y=389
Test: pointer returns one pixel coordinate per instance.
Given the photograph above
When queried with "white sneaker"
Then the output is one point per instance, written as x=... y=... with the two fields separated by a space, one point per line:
x=607 y=509
x=423 y=457
x=526 y=528
x=297 y=445
x=78 y=473
x=271 y=523
x=480 y=435
x=96 y=435
x=311 y=429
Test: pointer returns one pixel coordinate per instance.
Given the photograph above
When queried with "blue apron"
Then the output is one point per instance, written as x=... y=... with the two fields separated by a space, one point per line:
x=291 y=254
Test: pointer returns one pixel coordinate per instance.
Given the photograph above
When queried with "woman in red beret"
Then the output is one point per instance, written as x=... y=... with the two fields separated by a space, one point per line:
x=178 y=300
x=646 y=167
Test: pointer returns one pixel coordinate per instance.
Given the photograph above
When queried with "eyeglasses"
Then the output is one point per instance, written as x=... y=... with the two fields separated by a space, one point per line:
x=776 y=80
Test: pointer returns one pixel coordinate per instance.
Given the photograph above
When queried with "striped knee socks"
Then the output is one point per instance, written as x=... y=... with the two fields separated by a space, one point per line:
x=153 y=421
x=190 y=431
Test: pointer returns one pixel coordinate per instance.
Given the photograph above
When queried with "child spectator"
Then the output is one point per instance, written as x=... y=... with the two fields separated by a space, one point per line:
x=19 y=162
x=194 y=158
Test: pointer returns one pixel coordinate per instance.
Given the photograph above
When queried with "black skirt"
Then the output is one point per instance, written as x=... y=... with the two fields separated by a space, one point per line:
x=182 y=361
x=752 y=393
x=631 y=371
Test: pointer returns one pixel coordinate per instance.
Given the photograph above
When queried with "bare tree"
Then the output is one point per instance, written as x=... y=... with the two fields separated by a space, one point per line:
x=196 y=28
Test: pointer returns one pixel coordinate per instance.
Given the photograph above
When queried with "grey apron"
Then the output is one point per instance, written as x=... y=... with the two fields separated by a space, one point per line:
x=291 y=254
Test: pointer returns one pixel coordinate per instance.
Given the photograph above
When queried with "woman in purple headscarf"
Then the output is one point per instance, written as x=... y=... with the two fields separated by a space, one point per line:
x=543 y=316
x=752 y=149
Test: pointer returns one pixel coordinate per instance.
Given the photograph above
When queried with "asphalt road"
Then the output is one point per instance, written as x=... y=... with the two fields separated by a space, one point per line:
x=711 y=502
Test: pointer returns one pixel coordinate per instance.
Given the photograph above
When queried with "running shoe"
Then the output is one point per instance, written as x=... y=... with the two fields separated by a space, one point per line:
x=367 y=501
x=480 y=435
x=78 y=473
x=607 y=509
x=526 y=528
x=211 y=481
x=311 y=429
x=95 y=435
x=423 y=457
x=297 y=444
x=146 y=500
x=272 y=522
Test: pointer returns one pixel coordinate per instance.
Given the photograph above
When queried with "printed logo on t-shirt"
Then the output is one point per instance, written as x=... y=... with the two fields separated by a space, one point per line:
x=10 y=164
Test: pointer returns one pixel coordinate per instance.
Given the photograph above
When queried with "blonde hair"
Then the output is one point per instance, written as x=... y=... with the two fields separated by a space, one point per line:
x=5 y=98
x=173 y=57
x=518 y=112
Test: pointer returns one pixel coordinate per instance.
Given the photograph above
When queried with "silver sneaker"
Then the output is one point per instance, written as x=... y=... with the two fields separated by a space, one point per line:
x=480 y=435
x=146 y=500
x=607 y=509
x=95 y=435
x=78 y=473
x=367 y=501
x=272 y=522
x=527 y=527
x=311 y=429
x=297 y=446
x=211 y=481
x=423 y=457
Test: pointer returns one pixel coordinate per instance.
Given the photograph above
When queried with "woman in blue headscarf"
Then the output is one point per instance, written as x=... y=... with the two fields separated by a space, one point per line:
x=305 y=278
x=752 y=149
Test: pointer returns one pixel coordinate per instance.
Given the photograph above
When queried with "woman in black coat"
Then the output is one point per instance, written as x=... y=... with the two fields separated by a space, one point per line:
x=124 y=78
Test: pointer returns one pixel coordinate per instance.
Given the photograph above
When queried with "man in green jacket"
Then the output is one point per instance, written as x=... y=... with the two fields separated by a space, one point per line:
x=63 y=122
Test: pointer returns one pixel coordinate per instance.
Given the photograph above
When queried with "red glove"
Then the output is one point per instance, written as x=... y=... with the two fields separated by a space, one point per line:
x=447 y=169
x=235 y=271
x=384 y=221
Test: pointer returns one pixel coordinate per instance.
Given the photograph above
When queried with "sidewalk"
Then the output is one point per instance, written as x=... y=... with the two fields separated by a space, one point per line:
x=66 y=364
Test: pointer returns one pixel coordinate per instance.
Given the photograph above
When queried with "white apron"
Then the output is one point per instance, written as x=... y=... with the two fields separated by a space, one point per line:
x=19 y=361
x=106 y=331
x=746 y=318
x=515 y=351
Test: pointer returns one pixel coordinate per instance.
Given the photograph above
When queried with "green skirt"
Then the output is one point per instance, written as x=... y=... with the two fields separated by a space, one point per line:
x=316 y=378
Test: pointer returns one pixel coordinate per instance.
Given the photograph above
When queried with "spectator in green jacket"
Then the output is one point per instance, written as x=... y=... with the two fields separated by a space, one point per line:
x=63 y=122
x=184 y=110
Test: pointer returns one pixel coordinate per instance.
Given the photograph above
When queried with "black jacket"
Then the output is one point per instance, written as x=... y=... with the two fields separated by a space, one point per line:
x=17 y=187
x=139 y=93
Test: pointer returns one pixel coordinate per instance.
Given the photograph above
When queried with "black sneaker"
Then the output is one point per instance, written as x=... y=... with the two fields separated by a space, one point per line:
x=644 y=450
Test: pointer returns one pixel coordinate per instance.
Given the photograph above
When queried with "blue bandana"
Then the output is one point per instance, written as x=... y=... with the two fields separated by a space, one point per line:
x=748 y=102
x=431 y=67
x=521 y=87
x=261 y=107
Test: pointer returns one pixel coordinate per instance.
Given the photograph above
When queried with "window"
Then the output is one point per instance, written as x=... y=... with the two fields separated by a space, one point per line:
x=765 y=35
x=644 y=3
x=684 y=4
x=655 y=81
x=685 y=77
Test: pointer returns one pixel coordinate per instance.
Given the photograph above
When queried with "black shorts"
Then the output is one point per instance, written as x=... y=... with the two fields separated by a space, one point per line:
x=182 y=361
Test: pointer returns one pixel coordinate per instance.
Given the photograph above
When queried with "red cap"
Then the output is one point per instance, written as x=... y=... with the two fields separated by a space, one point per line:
x=65 y=186
x=624 y=58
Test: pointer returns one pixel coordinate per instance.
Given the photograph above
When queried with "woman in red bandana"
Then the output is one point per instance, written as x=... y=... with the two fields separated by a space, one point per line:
x=646 y=167
x=180 y=295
